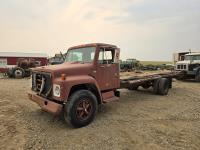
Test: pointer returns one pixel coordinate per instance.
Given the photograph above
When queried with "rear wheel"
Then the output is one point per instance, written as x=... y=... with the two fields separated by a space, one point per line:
x=164 y=85
x=18 y=73
x=156 y=86
x=161 y=86
x=81 y=108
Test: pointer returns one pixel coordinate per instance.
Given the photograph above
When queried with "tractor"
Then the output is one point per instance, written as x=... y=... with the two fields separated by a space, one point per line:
x=22 y=69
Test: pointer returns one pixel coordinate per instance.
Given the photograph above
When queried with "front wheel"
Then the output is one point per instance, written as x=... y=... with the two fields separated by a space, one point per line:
x=81 y=108
x=197 y=77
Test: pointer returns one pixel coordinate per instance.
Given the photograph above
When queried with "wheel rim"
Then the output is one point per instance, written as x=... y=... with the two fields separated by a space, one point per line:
x=18 y=73
x=84 y=109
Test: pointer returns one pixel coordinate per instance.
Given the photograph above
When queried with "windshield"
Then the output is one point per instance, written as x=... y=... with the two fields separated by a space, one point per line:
x=192 y=57
x=82 y=55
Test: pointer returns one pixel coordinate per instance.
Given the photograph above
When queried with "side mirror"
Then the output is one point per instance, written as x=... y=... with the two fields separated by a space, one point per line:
x=116 y=57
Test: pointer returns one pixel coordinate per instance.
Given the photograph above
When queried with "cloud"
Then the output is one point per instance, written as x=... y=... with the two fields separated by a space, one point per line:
x=141 y=28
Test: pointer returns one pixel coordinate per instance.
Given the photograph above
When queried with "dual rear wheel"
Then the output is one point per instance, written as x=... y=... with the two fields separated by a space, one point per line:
x=161 y=86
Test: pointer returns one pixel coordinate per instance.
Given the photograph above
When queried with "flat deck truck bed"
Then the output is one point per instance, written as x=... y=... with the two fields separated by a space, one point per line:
x=147 y=81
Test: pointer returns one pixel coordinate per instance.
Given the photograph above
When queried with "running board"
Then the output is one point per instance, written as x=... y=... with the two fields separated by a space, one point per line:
x=109 y=97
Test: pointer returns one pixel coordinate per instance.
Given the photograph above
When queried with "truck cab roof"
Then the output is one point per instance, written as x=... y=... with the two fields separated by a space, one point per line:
x=93 y=45
x=192 y=54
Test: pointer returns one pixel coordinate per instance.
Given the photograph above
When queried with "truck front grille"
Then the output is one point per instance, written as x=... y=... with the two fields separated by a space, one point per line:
x=41 y=83
x=192 y=66
x=181 y=67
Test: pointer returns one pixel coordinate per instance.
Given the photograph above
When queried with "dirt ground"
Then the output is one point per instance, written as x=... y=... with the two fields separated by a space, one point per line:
x=139 y=120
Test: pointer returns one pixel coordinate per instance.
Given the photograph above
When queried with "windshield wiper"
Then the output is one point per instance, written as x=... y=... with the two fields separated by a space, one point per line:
x=63 y=57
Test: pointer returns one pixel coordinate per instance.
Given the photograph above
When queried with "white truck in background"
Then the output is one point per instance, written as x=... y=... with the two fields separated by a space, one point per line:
x=189 y=66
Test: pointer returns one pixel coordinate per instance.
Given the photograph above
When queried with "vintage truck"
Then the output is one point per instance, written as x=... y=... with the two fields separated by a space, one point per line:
x=189 y=67
x=89 y=77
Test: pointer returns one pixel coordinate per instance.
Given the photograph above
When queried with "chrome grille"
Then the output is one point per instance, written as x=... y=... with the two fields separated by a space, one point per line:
x=41 y=83
x=181 y=67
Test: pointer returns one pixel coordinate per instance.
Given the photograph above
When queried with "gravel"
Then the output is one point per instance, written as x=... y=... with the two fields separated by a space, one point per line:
x=139 y=120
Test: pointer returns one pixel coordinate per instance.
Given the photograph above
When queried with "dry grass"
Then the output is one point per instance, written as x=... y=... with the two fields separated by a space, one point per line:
x=155 y=62
x=1 y=75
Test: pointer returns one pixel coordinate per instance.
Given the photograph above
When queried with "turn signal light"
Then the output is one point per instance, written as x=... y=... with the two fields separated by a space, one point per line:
x=63 y=76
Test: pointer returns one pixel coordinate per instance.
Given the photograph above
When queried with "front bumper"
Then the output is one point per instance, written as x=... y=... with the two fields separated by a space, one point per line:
x=46 y=104
x=186 y=72
x=191 y=72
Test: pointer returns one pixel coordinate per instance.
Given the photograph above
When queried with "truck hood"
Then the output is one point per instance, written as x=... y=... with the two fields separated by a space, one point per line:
x=66 y=68
x=188 y=62
x=183 y=62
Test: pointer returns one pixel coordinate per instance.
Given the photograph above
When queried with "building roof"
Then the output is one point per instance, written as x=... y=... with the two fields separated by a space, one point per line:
x=93 y=44
x=18 y=54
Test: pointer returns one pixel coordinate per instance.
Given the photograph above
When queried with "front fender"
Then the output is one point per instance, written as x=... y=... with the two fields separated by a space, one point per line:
x=197 y=70
x=71 y=81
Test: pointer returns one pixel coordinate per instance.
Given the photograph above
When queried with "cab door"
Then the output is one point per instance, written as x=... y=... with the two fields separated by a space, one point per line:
x=107 y=69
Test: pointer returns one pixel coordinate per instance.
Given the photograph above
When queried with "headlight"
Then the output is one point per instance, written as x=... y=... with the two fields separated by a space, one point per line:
x=56 y=90
x=195 y=69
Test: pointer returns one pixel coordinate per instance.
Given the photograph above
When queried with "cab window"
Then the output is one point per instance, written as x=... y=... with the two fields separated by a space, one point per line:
x=82 y=55
x=106 y=56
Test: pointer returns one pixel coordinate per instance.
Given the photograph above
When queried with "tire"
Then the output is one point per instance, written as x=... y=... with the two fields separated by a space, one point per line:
x=10 y=72
x=164 y=85
x=18 y=73
x=197 y=77
x=81 y=108
x=156 y=86
x=28 y=73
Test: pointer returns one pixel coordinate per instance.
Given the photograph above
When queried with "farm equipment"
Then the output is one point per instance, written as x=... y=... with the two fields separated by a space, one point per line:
x=89 y=77
x=157 y=67
x=57 y=59
x=22 y=69
x=129 y=65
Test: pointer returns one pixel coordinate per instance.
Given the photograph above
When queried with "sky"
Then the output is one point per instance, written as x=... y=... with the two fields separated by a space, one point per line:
x=142 y=29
